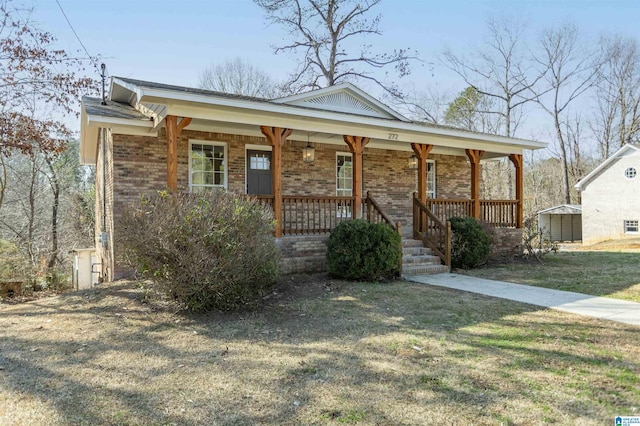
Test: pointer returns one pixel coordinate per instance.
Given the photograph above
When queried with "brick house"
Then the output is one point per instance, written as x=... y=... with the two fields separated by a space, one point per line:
x=315 y=158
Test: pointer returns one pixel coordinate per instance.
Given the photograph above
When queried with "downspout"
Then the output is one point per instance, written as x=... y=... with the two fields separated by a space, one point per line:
x=103 y=235
x=104 y=187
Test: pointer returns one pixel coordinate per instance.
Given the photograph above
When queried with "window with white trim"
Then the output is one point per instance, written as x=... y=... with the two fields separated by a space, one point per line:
x=344 y=175
x=431 y=179
x=207 y=165
x=344 y=181
x=630 y=173
x=630 y=226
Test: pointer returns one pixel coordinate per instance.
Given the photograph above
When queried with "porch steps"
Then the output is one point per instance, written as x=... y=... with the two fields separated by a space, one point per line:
x=419 y=260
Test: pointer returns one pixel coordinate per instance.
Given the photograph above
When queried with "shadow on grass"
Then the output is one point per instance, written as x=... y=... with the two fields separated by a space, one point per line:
x=347 y=353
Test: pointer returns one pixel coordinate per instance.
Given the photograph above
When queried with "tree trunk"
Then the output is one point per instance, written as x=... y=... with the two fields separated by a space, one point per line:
x=55 y=186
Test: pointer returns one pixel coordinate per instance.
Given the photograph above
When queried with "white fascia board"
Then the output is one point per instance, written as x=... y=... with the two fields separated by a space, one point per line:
x=582 y=183
x=110 y=122
x=88 y=140
x=372 y=128
x=90 y=127
x=121 y=91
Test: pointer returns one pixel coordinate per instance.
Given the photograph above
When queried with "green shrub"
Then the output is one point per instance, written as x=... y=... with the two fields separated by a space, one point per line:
x=359 y=250
x=470 y=243
x=207 y=251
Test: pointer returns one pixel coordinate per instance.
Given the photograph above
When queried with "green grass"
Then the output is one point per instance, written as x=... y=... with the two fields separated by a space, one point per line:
x=598 y=273
x=322 y=352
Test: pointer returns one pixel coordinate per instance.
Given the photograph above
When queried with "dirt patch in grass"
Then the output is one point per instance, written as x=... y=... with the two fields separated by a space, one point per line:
x=598 y=273
x=319 y=352
x=626 y=245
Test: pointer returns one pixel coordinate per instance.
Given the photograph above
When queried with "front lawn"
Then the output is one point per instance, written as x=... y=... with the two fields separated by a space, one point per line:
x=599 y=273
x=320 y=352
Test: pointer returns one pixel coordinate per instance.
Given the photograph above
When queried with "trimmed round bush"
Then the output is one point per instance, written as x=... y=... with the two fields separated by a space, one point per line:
x=359 y=250
x=207 y=251
x=470 y=243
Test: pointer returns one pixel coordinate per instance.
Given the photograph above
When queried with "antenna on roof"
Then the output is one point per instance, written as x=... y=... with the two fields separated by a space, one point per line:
x=103 y=74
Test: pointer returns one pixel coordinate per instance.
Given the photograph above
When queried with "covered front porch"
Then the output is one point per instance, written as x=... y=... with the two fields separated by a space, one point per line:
x=298 y=211
x=316 y=159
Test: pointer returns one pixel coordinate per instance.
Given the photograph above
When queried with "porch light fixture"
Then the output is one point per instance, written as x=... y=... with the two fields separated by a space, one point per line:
x=413 y=162
x=308 y=152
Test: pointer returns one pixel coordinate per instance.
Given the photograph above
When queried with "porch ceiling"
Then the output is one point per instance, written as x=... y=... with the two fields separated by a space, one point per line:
x=386 y=134
x=315 y=136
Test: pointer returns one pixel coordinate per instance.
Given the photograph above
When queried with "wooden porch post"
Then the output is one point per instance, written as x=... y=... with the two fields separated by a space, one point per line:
x=173 y=129
x=422 y=152
x=474 y=158
x=356 y=146
x=276 y=137
x=516 y=159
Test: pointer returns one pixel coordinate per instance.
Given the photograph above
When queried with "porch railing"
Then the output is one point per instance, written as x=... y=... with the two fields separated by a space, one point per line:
x=433 y=232
x=307 y=214
x=444 y=209
x=497 y=213
x=374 y=214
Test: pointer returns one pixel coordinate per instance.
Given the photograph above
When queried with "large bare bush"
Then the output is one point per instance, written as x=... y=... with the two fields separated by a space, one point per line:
x=207 y=251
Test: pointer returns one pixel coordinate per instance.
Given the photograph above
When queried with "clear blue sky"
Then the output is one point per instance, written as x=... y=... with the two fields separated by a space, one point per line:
x=173 y=41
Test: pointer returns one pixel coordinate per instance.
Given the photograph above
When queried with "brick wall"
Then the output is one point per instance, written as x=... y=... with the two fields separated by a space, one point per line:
x=506 y=242
x=303 y=253
x=453 y=176
x=140 y=167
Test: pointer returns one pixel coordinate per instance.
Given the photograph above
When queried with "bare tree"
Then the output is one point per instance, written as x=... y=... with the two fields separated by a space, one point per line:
x=321 y=30
x=541 y=178
x=570 y=70
x=44 y=206
x=32 y=71
x=240 y=78
x=427 y=106
x=500 y=71
x=617 y=118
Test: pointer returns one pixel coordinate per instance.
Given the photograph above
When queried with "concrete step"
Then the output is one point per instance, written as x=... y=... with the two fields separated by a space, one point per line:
x=420 y=260
x=410 y=242
x=424 y=270
x=413 y=251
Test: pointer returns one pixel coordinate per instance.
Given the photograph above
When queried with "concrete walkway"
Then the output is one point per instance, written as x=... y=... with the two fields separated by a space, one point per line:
x=576 y=303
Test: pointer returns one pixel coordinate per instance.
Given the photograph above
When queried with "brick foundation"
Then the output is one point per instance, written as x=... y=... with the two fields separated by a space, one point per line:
x=506 y=242
x=305 y=253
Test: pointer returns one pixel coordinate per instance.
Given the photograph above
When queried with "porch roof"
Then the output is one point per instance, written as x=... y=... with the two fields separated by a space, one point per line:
x=323 y=116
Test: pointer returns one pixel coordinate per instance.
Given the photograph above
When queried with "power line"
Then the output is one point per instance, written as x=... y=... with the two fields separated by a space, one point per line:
x=93 y=61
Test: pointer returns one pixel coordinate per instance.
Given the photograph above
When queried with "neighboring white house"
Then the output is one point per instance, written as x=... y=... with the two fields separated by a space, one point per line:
x=561 y=223
x=611 y=197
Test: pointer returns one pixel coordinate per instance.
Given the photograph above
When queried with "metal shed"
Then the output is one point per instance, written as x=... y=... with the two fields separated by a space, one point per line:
x=561 y=223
